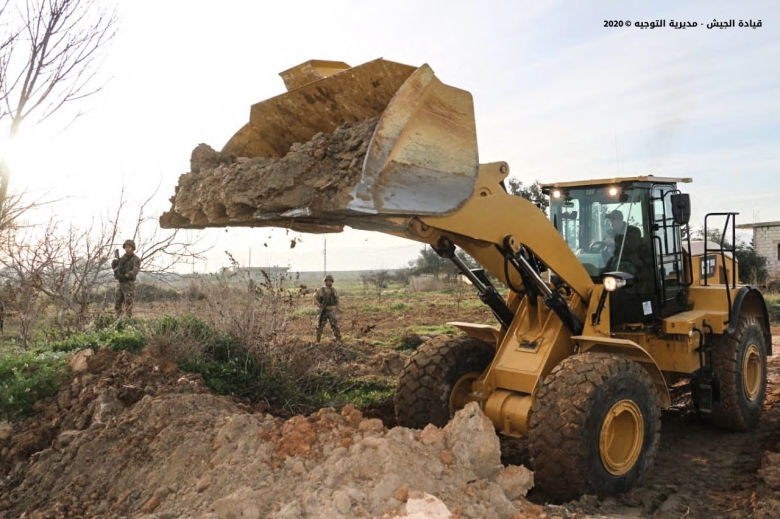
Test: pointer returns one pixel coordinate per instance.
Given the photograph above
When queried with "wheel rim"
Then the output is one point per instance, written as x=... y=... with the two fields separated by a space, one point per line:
x=459 y=396
x=622 y=435
x=751 y=372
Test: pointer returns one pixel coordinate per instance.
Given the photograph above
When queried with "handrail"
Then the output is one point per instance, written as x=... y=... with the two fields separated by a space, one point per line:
x=731 y=217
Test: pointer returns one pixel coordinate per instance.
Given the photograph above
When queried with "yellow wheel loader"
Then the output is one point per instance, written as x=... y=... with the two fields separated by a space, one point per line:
x=609 y=302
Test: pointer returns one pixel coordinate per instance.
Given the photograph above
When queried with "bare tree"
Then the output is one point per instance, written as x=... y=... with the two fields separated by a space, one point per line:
x=8 y=35
x=162 y=250
x=50 y=51
x=69 y=266
x=458 y=290
x=28 y=260
x=378 y=279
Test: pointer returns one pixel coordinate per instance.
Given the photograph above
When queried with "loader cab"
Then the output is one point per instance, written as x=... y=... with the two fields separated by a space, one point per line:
x=626 y=225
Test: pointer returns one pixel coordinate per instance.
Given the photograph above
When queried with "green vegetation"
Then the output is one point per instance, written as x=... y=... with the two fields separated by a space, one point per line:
x=773 y=305
x=433 y=330
x=306 y=312
x=235 y=344
x=359 y=392
x=399 y=306
x=27 y=378
x=127 y=338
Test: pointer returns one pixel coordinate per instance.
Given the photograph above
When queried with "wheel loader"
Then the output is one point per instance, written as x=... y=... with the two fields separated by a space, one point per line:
x=605 y=303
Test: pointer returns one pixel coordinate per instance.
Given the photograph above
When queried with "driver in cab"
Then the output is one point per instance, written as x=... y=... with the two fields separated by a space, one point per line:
x=618 y=233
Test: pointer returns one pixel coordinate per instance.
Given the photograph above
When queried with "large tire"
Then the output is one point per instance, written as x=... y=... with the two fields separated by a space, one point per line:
x=426 y=383
x=586 y=403
x=739 y=365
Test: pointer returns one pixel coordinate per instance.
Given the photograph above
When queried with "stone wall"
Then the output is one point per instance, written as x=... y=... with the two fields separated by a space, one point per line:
x=766 y=240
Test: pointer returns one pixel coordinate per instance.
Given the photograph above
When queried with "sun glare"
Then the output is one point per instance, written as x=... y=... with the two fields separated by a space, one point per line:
x=28 y=157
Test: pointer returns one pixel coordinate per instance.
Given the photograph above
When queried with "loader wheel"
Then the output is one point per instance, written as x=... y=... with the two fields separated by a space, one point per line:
x=594 y=427
x=437 y=378
x=739 y=364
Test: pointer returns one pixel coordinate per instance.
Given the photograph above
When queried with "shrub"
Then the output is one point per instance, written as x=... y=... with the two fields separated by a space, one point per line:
x=26 y=378
x=125 y=336
x=248 y=377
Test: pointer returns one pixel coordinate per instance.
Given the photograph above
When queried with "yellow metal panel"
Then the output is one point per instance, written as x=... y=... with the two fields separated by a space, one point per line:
x=482 y=332
x=685 y=322
x=311 y=71
x=534 y=344
x=713 y=300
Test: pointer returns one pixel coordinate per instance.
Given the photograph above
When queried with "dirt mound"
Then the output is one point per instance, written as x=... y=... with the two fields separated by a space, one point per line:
x=318 y=175
x=132 y=436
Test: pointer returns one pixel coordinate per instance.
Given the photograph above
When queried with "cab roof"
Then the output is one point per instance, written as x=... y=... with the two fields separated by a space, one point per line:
x=616 y=180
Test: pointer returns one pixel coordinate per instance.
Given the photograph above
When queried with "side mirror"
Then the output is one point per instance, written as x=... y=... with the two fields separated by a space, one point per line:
x=681 y=208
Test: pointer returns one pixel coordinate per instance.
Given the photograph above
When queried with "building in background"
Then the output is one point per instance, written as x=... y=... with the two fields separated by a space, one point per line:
x=766 y=242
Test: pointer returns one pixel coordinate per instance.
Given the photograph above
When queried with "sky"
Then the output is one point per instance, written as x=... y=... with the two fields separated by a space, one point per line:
x=557 y=95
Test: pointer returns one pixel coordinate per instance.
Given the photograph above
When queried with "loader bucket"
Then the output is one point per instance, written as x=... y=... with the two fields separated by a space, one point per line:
x=321 y=105
x=422 y=158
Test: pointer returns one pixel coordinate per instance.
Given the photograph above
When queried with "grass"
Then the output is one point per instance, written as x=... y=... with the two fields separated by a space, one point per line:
x=358 y=392
x=773 y=305
x=232 y=358
x=433 y=330
x=400 y=306
x=306 y=312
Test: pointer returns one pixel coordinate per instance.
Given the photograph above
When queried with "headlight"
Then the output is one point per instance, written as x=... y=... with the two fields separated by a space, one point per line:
x=612 y=283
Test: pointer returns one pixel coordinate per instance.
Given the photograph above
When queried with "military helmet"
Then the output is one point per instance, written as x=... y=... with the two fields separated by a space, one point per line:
x=328 y=278
x=129 y=242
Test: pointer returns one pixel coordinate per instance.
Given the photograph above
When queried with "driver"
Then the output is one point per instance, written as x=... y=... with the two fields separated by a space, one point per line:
x=619 y=233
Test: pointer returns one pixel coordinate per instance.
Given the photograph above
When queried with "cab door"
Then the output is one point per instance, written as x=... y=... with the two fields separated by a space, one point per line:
x=668 y=260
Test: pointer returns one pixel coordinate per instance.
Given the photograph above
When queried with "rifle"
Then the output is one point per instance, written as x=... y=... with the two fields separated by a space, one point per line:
x=321 y=316
x=117 y=273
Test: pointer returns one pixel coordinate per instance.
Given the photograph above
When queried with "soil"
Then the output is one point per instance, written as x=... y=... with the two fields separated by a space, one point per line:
x=315 y=176
x=134 y=437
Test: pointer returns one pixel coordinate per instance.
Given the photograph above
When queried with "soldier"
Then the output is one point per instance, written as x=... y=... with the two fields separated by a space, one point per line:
x=328 y=301
x=126 y=270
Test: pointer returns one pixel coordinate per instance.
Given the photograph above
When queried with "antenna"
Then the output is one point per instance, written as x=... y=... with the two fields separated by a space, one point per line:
x=324 y=256
x=617 y=155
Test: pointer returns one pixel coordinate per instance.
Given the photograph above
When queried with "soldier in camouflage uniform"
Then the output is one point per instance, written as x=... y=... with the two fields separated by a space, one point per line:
x=126 y=270
x=328 y=296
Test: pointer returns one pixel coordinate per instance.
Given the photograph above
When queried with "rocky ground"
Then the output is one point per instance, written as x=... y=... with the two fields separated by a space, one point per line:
x=134 y=437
